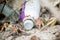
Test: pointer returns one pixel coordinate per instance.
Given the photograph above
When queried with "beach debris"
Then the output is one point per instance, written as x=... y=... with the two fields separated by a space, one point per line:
x=51 y=23
x=30 y=19
x=29 y=15
x=12 y=29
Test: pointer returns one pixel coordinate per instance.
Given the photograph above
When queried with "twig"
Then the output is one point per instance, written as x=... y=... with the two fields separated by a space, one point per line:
x=47 y=24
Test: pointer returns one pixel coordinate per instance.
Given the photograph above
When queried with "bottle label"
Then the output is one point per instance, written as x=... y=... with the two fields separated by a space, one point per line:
x=23 y=13
x=32 y=8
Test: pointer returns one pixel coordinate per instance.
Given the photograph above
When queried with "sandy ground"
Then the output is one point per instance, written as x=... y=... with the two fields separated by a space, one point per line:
x=42 y=35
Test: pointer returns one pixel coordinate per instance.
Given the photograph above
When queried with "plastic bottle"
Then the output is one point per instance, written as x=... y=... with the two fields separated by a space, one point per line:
x=30 y=12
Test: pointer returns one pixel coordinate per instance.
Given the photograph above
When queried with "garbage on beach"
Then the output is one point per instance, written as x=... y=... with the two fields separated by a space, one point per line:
x=35 y=22
x=30 y=12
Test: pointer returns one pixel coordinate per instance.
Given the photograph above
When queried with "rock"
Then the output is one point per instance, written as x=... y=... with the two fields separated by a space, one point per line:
x=34 y=38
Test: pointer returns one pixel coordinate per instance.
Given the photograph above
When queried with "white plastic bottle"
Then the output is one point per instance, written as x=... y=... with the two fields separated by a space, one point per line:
x=30 y=13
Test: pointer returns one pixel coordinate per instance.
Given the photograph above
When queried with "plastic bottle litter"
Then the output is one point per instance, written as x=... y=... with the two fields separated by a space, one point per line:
x=30 y=12
x=9 y=13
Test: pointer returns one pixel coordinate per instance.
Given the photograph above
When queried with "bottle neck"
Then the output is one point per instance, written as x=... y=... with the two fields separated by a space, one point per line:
x=28 y=23
x=29 y=18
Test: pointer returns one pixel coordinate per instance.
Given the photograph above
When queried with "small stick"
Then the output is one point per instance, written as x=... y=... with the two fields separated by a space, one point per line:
x=47 y=24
